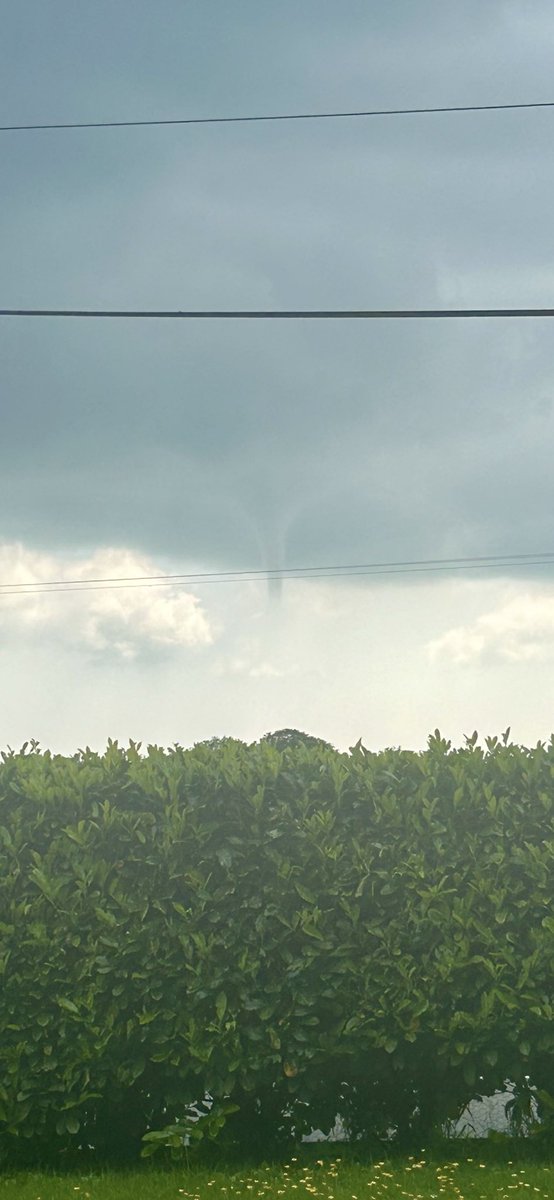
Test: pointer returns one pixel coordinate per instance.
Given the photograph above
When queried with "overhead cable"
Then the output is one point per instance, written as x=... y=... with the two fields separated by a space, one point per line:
x=316 y=314
x=256 y=575
x=265 y=571
x=297 y=116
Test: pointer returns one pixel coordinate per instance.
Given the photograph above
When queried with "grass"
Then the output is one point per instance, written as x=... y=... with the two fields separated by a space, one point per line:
x=414 y=1178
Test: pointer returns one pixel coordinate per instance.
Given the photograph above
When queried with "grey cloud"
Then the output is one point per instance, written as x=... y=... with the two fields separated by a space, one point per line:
x=242 y=444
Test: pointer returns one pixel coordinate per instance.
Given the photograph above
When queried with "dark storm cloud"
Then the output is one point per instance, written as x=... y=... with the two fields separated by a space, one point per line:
x=235 y=444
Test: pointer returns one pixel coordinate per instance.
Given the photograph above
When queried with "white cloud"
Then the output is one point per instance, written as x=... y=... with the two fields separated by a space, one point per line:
x=250 y=663
x=518 y=629
x=127 y=622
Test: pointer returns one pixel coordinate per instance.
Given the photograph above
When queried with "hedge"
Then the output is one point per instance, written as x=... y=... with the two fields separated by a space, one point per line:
x=295 y=932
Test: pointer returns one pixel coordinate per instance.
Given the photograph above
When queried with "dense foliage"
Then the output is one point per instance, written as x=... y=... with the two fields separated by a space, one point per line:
x=293 y=932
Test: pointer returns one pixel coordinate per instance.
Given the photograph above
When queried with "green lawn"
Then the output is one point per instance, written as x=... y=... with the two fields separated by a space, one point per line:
x=410 y=1179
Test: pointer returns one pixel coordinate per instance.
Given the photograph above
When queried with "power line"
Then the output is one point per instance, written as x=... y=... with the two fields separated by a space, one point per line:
x=279 y=571
x=298 y=116
x=255 y=575
x=317 y=314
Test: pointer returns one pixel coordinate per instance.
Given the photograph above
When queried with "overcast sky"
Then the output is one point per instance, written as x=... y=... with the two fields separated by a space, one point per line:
x=144 y=448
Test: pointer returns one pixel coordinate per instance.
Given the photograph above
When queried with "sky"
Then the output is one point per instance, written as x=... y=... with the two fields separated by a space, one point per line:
x=147 y=448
